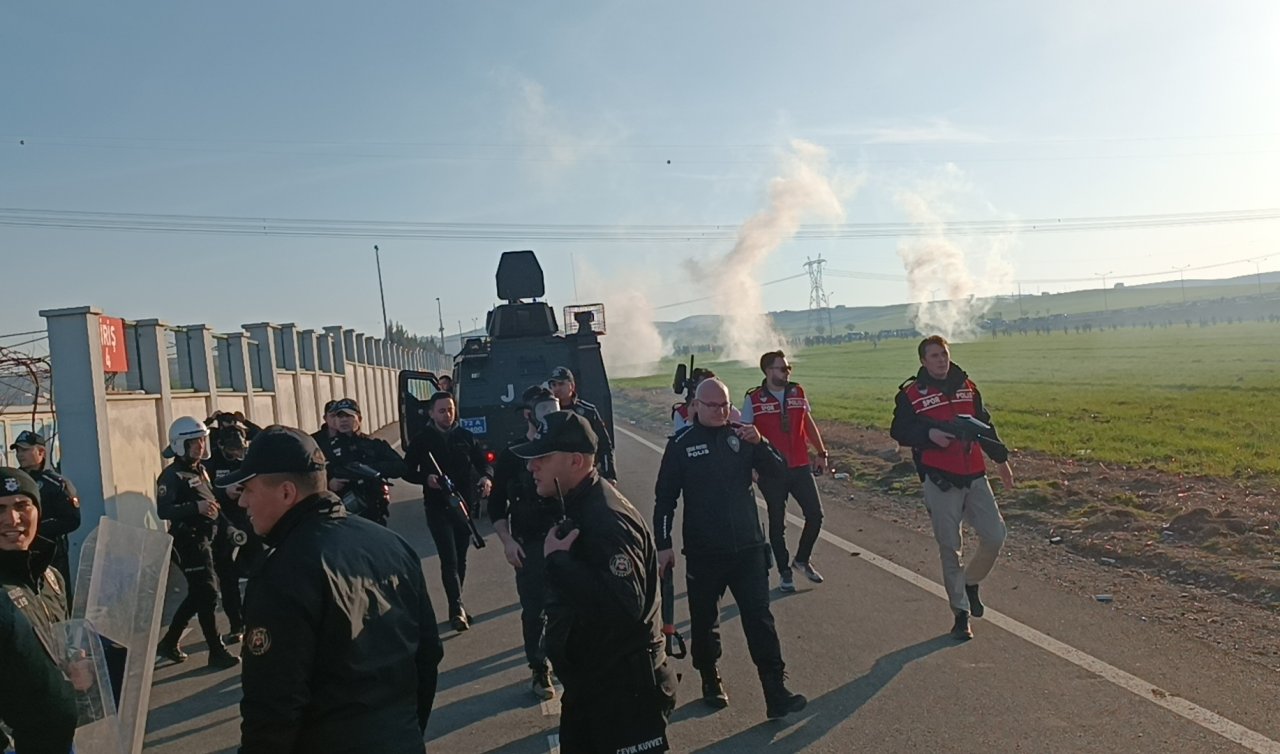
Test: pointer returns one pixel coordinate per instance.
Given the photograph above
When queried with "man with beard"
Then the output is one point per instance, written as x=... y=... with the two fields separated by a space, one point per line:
x=463 y=461
x=604 y=634
x=779 y=409
x=522 y=519
x=953 y=471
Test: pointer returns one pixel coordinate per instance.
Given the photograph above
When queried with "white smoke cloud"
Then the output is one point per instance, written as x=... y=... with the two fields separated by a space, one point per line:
x=804 y=190
x=632 y=346
x=946 y=296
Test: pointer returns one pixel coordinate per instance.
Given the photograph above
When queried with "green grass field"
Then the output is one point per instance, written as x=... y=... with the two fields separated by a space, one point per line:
x=1187 y=400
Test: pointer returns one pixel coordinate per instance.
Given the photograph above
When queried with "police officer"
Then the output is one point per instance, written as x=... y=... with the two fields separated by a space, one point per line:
x=185 y=499
x=341 y=647
x=328 y=425
x=346 y=445
x=60 y=504
x=35 y=698
x=603 y=628
x=464 y=462
x=522 y=518
x=779 y=409
x=231 y=559
x=711 y=463
x=32 y=599
x=565 y=389
x=953 y=472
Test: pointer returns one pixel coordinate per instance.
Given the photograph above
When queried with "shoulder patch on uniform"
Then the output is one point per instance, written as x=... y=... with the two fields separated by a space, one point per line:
x=162 y=489
x=51 y=578
x=620 y=565
x=258 y=641
x=75 y=502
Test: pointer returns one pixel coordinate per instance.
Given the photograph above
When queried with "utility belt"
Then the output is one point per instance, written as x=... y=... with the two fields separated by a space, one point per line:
x=946 y=482
x=198 y=530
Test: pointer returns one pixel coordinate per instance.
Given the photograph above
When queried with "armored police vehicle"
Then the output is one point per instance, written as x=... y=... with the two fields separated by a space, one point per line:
x=523 y=342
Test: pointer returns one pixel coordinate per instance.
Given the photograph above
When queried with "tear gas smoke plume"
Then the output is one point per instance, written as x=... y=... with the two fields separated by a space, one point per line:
x=803 y=190
x=632 y=346
x=945 y=296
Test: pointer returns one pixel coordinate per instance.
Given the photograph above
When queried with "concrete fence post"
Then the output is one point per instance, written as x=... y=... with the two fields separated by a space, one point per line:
x=79 y=384
x=153 y=366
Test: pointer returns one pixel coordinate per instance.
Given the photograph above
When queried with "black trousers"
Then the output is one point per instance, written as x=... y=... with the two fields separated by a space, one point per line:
x=452 y=538
x=228 y=572
x=531 y=586
x=798 y=483
x=618 y=713
x=195 y=557
x=746 y=575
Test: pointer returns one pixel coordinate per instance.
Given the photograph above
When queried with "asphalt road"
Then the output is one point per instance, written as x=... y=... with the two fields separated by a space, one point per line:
x=1047 y=672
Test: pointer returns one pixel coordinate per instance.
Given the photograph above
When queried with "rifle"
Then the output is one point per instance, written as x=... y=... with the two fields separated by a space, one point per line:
x=456 y=503
x=675 y=642
x=967 y=429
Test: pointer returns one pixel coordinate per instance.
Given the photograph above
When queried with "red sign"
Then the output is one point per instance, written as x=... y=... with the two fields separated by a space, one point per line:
x=114 y=356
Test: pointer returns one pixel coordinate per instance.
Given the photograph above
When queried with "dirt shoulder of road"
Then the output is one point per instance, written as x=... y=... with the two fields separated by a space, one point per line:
x=1200 y=555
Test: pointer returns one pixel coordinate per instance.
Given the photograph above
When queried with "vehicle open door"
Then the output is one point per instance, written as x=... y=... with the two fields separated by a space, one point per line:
x=416 y=388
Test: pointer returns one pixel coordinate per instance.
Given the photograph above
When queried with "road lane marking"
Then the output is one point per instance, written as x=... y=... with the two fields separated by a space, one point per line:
x=1207 y=719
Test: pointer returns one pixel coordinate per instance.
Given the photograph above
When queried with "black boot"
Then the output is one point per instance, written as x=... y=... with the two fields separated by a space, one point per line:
x=221 y=659
x=961 y=631
x=713 y=688
x=169 y=649
x=778 y=700
x=976 y=608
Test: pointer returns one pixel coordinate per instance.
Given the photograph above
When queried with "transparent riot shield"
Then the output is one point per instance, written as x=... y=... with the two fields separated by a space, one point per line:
x=120 y=588
x=95 y=669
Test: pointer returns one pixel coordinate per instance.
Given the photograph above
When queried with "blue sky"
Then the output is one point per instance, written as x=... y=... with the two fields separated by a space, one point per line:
x=567 y=113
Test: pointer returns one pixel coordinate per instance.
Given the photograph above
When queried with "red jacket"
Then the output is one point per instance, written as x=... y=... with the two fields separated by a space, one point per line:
x=924 y=400
x=787 y=431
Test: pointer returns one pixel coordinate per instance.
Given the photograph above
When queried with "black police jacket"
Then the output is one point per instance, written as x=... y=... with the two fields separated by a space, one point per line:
x=459 y=455
x=516 y=499
x=217 y=467
x=340 y=450
x=36 y=590
x=59 y=504
x=341 y=647
x=36 y=700
x=604 y=441
x=602 y=594
x=179 y=490
x=712 y=468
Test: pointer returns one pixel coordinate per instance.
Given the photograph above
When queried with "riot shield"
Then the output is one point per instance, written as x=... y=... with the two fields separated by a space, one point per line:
x=95 y=668
x=120 y=589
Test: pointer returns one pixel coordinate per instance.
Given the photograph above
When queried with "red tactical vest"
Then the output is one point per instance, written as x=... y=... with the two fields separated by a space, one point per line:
x=960 y=458
x=789 y=436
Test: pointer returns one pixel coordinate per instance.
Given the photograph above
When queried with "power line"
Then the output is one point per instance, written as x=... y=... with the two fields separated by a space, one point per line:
x=591 y=233
x=674 y=304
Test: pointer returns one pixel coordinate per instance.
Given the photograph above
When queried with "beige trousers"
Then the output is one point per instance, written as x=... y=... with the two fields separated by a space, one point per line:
x=975 y=505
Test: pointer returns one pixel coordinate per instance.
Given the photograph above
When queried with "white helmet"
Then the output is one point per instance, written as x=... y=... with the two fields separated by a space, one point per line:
x=187 y=428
